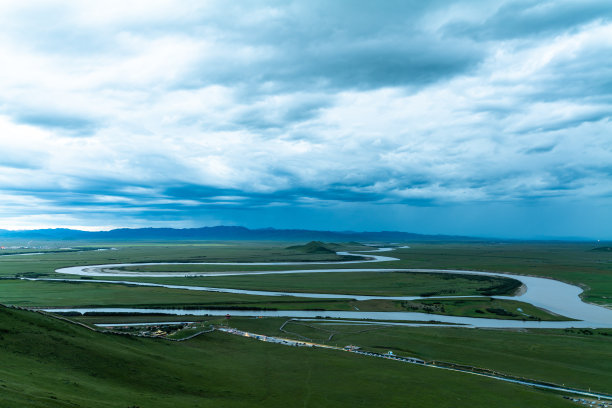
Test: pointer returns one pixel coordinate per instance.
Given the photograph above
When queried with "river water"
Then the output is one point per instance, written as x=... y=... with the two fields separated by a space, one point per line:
x=552 y=295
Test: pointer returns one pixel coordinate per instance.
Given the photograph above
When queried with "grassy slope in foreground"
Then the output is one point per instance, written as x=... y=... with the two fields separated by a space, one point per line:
x=49 y=363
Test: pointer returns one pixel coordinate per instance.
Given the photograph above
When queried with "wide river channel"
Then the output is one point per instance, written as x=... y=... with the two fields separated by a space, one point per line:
x=549 y=294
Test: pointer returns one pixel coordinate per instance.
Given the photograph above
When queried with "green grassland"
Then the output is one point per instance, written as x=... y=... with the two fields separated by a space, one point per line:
x=92 y=294
x=575 y=357
x=360 y=283
x=575 y=263
x=244 y=252
x=50 y=363
x=469 y=307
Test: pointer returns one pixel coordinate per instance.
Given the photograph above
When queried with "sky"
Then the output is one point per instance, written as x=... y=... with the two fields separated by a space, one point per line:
x=482 y=118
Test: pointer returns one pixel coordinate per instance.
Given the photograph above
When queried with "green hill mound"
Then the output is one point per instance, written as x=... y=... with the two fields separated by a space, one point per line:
x=315 y=247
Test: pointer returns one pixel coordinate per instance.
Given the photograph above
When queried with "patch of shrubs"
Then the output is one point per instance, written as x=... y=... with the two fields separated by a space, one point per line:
x=500 y=312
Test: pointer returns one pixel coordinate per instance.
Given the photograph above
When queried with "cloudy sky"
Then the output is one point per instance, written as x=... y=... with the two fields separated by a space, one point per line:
x=488 y=118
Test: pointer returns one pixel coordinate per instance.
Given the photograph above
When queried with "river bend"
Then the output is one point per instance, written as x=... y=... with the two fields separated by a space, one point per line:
x=549 y=294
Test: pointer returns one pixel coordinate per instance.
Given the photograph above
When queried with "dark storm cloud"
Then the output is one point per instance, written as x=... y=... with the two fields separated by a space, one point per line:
x=204 y=110
x=337 y=45
x=528 y=18
x=400 y=61
x=294 y=196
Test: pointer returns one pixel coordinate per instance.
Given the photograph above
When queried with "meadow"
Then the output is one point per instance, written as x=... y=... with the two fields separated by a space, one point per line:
x=46 y=362
x=46 y=294
x=576 y=263
x=361 y=283
x=50 y=363
x=579 y=358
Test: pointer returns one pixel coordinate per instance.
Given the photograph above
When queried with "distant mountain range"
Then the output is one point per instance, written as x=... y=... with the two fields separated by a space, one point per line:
x=226 y=233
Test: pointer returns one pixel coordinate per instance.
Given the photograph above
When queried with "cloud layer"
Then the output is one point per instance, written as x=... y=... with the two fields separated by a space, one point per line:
x=192 y=113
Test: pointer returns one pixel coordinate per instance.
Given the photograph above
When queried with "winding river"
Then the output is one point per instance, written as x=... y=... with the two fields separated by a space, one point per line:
x=555 y=296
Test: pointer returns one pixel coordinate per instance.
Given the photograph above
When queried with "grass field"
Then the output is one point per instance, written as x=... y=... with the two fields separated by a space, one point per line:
x=49 y=363
x=88 y=294
x=91 y=294
x=361 y=283
x=243 y=252
x=484 y=257
x=44 y=265
x=571 y=262
x=575 y=263
x=574 y=357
